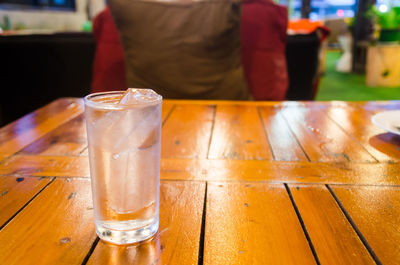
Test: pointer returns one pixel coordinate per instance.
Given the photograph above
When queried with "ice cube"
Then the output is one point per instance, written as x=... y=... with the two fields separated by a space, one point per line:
x=151 y=139
x=134 y=185
x=138 y=96
x=143 y=133
x=134 y=127
x=110 y=127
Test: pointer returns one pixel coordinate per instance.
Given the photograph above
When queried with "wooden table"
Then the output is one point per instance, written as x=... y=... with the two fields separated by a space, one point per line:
x=242 y=183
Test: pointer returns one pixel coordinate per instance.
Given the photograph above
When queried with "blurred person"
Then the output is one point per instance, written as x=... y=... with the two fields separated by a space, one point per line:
x=263 y=41
x=182 y=48
x=109 y=60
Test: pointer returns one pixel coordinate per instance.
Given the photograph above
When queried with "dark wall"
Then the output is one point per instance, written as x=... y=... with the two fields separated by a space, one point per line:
x=36 y=69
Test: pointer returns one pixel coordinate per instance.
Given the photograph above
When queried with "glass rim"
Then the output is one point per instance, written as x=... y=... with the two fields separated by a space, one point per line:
x=88 y=100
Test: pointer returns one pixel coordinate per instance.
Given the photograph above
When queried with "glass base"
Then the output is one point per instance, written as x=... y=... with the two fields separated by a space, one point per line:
x=121 y=233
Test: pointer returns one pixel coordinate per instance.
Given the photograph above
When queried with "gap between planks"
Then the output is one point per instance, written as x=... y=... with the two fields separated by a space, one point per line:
x=26 y=204
x=201 y=238
x=203 y=229
x=350 y=135
x=354 y=226
x=91 y=250
x=293 y=134
x=168 y=114
x=266 y=134
x=212 y=130
x=5 y=157
x=303 y=226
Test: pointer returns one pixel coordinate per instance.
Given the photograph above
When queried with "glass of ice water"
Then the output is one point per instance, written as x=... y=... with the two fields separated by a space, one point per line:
x=124 y=135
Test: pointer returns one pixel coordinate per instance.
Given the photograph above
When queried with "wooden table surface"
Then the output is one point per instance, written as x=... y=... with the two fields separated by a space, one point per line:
x=241 y=183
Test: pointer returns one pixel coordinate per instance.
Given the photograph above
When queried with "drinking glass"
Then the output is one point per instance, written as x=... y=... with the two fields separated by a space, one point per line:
x=124 y=156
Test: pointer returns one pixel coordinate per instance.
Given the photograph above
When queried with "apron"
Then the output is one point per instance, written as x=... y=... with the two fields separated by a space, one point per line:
x=182 y=49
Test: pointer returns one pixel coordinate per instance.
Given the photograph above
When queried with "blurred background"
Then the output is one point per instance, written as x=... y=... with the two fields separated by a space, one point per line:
x=333 y=50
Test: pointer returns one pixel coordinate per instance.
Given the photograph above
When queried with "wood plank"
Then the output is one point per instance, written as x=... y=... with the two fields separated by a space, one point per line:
x=177 y=241
x=334 y=239
x=30 y=120
x=253 y=223
x=283 y=143
x=387 y=104
x=220 y=170
x=274 y=171
x=186 y=133
x=322 y=139
x=375 y=105
x=386 y=144
x=16 y=192
x=50 y=118
x=356 y=120
x=55 y=228
x=392 y=103
x=221 y=102
x=68 y=139
x=238 y=134
x=375 y=211
x=58 y=166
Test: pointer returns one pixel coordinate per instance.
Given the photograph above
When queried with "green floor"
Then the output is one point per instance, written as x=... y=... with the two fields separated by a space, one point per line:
x=350 y=87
